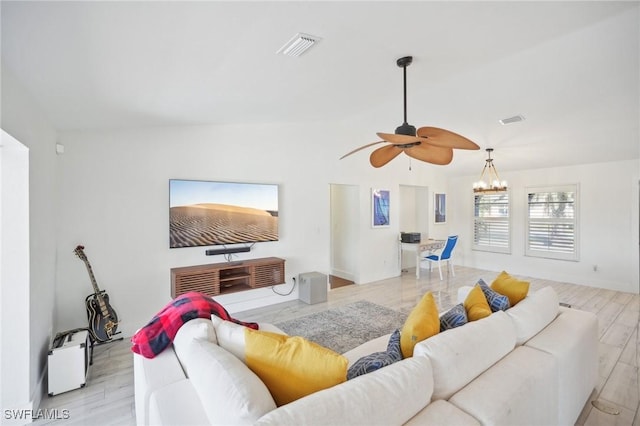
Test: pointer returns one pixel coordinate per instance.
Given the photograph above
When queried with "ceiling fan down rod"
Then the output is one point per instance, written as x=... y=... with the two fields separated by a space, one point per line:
x=406 y=128
x=404 y=62
x=405 y=94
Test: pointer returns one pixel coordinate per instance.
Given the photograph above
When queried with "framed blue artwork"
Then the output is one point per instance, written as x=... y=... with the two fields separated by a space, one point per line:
x=380 y=208
x=440 y=203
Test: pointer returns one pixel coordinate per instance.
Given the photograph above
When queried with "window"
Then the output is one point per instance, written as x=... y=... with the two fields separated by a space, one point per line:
x=491 y=227
x=552 y=222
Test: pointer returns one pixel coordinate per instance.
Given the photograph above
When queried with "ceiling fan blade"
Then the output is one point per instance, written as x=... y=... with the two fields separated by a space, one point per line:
x=382 y=156
x=362 y=147
x=398 y=139
x=431 y=154
x=445 y=138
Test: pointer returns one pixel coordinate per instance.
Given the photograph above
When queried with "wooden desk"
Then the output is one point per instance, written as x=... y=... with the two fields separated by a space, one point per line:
x=428 y=245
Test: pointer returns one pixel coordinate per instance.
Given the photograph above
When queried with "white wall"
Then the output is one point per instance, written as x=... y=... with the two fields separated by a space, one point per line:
x=345 y=212
x=23 y=119
x=14 y=274
x=608 y=225
x=415 y=208
x=114 y=200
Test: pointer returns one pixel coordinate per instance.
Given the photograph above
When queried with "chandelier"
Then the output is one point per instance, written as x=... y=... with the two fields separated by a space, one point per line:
x=491 y=183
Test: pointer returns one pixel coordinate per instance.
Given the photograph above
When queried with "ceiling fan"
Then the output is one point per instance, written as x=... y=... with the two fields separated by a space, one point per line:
x=430 y=144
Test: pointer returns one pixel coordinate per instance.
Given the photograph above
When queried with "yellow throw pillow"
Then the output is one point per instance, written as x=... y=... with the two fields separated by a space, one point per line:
x=422 y=323
x=476 y=304
x=511 y=287
x=292 y=367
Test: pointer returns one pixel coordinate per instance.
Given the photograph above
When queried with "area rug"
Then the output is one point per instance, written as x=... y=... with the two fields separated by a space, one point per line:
x=345 y=327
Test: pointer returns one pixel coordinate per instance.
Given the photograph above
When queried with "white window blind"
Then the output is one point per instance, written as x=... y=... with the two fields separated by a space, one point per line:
x=552 y=225
x=492 y=225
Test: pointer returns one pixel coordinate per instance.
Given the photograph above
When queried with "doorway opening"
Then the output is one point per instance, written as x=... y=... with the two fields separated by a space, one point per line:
x=414 y=217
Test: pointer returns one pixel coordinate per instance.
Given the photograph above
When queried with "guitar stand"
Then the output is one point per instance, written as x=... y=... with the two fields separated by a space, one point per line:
x=94 y=343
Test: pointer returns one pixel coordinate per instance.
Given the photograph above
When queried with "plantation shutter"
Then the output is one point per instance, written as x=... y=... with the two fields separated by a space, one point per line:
x=491 y=228
x=552 y=222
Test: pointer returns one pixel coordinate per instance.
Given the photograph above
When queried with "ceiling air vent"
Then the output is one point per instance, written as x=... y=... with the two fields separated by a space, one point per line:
x=511 y=120
x=299 y=44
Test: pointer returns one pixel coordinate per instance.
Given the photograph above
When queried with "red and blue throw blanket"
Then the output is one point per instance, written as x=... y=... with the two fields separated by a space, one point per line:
x=156 y=336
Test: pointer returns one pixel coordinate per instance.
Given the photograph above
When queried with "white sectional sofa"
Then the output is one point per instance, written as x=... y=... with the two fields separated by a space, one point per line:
x=534 y=364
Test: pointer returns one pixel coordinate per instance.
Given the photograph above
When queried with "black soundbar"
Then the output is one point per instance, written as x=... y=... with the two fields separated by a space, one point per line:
x=227 y=250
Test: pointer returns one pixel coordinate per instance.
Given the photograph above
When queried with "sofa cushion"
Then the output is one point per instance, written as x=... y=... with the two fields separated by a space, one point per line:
x=441 y=412
x=572 y=338
x=291 y=366
x=496 y=301
x=377 y=360
x=454 y=317
x=176 y=404
x=232 y=335
x=513 y=288
x=198 y=328
x=150 y=375
x=518 y=390
x=534 y=313
x=388 y=396
x=230 y=392
x=463 y=353
x=423 y=322
x=476 y=304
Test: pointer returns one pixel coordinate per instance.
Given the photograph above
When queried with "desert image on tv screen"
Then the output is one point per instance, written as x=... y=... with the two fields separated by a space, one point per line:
x=206 y=213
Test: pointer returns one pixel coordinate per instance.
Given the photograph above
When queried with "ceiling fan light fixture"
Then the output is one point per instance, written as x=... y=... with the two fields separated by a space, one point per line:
x=489 y=182
x=298 y=45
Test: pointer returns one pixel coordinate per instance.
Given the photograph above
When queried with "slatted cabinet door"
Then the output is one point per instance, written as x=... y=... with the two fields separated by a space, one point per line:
x=200 y=280
x=267 y=274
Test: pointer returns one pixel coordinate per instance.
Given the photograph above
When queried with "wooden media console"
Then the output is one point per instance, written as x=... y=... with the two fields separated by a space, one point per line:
x=227 y=277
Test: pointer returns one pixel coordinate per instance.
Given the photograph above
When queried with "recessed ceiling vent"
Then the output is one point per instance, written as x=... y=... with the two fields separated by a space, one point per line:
x=299 y=44
x=511 y=120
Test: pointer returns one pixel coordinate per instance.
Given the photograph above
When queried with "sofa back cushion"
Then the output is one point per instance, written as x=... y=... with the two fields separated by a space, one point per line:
x=534 y=313
x=229 y=391
x=199 y=328
x=230 y=336
x=461 y=354
x=388 y=396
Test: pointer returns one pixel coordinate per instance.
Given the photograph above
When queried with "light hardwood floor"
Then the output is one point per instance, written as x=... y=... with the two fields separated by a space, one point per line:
x=108 y=397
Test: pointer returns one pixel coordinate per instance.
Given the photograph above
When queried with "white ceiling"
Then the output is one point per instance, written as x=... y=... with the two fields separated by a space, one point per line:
x=571 y=68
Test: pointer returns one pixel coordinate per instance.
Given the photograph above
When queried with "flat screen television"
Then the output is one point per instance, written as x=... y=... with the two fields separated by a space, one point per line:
x=205 y=213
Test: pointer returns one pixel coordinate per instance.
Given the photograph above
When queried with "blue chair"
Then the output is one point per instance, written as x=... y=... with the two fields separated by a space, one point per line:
x=444 y=254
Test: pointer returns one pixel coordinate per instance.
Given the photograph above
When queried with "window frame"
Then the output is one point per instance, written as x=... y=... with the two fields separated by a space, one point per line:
x=507 y=220
x=548 y=254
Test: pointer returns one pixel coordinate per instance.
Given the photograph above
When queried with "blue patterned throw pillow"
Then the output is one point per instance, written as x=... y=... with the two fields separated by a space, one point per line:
x=497 y=302
x=377 y=360
x=454 y=317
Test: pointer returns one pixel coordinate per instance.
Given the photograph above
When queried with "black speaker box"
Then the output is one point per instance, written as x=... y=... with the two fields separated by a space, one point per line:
x=227 y=250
